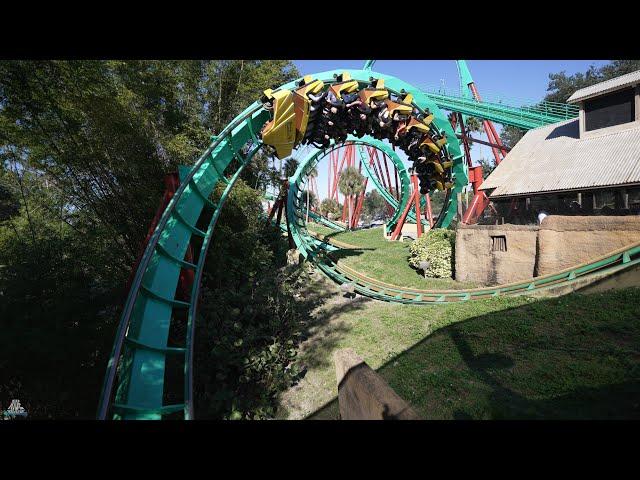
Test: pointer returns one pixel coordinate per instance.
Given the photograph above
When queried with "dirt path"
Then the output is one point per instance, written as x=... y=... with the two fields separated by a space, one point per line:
x=323 y=332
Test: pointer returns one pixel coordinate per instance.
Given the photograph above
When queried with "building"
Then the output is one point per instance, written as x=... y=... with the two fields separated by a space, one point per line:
x=589 y=165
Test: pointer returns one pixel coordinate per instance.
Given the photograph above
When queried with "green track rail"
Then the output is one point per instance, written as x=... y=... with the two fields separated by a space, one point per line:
x=526 y=117
x=325 y=221
x=321 y=256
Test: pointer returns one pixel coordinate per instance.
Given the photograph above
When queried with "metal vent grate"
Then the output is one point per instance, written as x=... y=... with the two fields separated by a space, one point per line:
x=498 y=243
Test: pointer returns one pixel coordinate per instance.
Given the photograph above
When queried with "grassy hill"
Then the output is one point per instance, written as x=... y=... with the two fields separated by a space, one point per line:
x=573 y=357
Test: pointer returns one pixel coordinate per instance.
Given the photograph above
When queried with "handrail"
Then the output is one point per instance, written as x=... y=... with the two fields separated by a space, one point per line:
x=501 y=100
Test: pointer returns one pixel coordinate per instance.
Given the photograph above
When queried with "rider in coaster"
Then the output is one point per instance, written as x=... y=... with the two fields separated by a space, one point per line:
x=358 y=114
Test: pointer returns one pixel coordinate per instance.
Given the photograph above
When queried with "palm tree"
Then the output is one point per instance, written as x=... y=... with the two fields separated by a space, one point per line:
x=351 y=183
x=290 y=167
x=473 y=124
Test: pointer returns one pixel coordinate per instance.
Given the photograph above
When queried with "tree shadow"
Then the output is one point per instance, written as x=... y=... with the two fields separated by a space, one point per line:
x=520 y=364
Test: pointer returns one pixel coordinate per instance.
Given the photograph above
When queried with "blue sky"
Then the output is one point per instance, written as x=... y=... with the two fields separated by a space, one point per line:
x=524 y=80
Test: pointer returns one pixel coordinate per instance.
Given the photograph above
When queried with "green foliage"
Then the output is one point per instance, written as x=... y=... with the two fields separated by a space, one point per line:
x=375 y=206
x=290 y=166
x=330 y=208
x=84 y=146
x=249 y=326
x=436 y=247
x=511 y=135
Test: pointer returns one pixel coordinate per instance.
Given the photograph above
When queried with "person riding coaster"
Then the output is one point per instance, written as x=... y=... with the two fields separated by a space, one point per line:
x=332 y=123
x=306 y=109
x=317 y=116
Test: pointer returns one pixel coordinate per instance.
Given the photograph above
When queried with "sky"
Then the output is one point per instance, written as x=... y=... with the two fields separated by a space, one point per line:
x=517 y=81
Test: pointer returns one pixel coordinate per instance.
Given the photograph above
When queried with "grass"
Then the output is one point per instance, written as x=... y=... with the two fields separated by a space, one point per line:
x=378 y=331
x=573 y=357
x=384 y=260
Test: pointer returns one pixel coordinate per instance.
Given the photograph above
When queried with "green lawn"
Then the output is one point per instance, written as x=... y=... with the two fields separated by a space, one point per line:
x=384 y=260
x=571 y=357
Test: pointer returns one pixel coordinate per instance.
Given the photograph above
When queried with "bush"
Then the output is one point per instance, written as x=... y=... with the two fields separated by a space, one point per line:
x=249 y=327
x=436 y=247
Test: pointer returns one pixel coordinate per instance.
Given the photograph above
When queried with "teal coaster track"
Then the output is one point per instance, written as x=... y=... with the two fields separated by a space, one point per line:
x=150 y=366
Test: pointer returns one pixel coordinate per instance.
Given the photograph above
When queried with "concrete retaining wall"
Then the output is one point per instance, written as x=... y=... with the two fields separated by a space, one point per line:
x=478 y=261
x=560 y=242
x=565 y=241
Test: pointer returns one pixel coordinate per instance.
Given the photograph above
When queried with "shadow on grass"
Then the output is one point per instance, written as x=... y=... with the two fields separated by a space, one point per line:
x=573 y=357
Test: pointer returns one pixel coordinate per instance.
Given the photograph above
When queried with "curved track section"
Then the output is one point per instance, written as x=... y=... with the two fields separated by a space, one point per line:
x=135 y=385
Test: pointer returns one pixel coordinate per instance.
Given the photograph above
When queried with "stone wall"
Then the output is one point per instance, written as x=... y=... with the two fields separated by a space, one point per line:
x=565 y=241
x=479 y=260
x=560 y=242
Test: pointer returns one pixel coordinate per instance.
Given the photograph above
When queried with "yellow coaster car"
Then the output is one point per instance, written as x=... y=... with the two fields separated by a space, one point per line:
x=344 y=85
x=428 y=119
x=428 y=143
x=302 y=103
x=440 y=183
x=441 y=141
x=401 y=106
x=280 y=132
x=418 y=125
x=375 y=92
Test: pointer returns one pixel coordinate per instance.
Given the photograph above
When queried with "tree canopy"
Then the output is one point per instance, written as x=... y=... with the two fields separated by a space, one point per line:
x=84 y=147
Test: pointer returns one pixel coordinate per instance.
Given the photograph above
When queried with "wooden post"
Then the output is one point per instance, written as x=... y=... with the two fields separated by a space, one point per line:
x=363 y=394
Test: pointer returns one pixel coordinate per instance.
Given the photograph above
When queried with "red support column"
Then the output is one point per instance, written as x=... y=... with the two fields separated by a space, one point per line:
x=429 y=213
x=397 y=192
x=398 y=230
x=386 y=167
x=416 y=190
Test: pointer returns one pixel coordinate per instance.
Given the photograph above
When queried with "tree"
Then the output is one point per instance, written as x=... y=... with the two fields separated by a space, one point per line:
x=351 y=183
x=511 y=135
x=375 y=206
x=330 y=208
x=84 y=146
x=290 y=166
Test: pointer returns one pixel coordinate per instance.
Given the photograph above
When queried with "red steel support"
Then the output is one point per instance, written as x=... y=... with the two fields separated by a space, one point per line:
x=428 y=214
x=397 y=192
x=416 y=194
x=489 y=129
x=398 y=230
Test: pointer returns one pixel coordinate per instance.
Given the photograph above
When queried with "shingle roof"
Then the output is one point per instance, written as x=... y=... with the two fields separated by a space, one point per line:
x=553 y=158
x=607 y=86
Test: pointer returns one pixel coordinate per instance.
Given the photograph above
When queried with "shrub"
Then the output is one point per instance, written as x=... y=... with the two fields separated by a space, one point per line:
x=436 y=247
x=248 y=329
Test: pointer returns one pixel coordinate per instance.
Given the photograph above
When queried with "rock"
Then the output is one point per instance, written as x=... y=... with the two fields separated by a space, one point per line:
x=293 y=257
